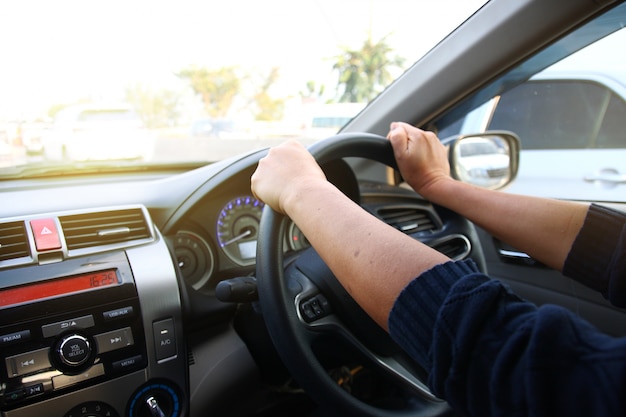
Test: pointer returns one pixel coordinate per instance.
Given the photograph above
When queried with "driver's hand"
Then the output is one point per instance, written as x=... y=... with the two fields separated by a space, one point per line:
x=421 y=158
x=281 y=175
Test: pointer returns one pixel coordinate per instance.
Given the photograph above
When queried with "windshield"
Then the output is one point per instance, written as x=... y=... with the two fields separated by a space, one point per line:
x=166 y=82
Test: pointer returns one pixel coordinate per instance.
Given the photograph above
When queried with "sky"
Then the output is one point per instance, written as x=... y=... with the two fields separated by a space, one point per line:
x=60 y=51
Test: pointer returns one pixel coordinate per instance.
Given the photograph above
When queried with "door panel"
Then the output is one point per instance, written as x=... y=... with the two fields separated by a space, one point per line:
x=542 y=285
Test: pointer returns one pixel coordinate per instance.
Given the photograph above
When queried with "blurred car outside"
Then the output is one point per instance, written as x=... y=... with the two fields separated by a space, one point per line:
x=19 y=140
x=31 y=136
x=212 y=128
x=6 y=154
x=95 y=132
x=324 y=120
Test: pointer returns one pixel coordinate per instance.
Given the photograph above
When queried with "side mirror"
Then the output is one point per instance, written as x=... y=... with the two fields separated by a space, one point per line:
x=488 y=160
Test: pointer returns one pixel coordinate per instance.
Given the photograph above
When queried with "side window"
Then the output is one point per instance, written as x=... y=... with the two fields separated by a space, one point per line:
x=612 y=133
x=562 y=114
x=570 y=118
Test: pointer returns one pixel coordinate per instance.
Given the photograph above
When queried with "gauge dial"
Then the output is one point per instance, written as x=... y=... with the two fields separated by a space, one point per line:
x=238 y=229
x=195 y=258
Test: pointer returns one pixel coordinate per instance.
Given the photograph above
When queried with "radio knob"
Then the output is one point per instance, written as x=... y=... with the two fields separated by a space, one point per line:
x=74 y=350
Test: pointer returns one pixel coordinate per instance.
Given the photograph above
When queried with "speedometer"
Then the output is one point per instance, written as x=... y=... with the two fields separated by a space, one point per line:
x=238 y=229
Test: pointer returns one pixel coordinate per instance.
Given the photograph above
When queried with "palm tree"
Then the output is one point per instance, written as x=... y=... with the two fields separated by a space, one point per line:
x=365 y=72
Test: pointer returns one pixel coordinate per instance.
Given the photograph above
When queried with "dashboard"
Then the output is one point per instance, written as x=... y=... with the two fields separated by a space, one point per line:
x=108 y=300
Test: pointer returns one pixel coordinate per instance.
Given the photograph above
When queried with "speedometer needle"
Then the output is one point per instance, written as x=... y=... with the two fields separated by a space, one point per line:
x=247 y=233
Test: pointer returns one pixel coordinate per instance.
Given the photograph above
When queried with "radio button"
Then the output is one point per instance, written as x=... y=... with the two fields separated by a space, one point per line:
x=33 y=390
x=74 y=350
x=25 y=392
x=14 y=395
x=26 y=363
x=128 y=363
x=118 y=313
x=67 y=380
x=57 y=328
x=116 y=339
x=21 y=336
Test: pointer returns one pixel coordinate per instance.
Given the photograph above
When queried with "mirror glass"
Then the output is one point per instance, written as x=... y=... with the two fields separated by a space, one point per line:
x=487 y=160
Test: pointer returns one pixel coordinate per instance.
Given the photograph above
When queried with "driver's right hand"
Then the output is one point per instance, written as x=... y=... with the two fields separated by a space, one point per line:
x=422 y=159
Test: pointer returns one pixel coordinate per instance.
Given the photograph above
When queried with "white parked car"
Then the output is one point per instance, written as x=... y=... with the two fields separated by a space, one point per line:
x=96 y=132
x=577 y=116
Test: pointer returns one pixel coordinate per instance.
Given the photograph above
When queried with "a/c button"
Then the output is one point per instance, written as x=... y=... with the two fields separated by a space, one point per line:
x=164 y=339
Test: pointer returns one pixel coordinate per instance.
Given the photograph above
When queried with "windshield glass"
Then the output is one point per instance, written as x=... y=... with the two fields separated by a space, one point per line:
x=156 y=82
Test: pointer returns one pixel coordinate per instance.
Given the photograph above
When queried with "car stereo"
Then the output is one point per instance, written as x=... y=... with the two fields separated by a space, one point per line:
x=60 y=332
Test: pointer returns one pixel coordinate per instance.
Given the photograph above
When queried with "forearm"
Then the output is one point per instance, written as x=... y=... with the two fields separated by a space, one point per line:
x=372 y=260
x=544 y=229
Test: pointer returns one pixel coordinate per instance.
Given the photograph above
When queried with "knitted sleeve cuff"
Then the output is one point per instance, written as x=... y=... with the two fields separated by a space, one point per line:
x=412 y=318
x=596 y=254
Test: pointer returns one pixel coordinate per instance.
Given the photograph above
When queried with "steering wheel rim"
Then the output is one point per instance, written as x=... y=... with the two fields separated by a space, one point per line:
x=278 y=298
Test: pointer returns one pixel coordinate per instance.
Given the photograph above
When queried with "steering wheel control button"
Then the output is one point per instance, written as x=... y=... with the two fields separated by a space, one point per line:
x=57 y=328
x=26 y=363
x=46 y=234
x=164 y=339
x=116 y=339
x=74 y=350
x=314 y=308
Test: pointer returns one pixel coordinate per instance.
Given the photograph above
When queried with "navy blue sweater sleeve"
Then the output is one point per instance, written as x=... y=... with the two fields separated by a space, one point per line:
x=598 y=256
x=490 y=353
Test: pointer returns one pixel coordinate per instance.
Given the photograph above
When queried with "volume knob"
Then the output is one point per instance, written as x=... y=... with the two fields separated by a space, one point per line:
x=74 y=350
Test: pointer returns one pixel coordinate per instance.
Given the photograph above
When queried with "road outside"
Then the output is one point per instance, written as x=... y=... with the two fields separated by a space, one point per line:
x=210 y=149
x=171 y=145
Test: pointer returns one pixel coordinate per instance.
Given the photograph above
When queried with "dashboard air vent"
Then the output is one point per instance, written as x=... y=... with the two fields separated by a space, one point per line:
x=407 y=219
x=104 y=228
x=13 y=241
x=454 y=246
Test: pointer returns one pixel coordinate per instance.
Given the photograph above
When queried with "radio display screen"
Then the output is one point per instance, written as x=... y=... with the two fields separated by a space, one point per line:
x=56 y=287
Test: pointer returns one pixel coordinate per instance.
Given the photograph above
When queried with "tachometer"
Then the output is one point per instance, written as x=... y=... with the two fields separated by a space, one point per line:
x=238 y=228
x=195 y=258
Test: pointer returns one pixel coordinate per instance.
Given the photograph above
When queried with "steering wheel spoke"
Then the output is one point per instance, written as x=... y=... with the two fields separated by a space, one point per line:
x=396 y=365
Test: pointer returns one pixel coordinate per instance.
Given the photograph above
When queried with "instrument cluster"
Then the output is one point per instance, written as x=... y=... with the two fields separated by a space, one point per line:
x=230 y=243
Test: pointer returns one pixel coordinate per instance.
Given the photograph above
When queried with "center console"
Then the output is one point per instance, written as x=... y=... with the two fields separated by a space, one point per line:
x=93 y=333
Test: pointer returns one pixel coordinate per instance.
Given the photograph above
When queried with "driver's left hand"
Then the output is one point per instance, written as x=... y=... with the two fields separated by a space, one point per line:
x=286 y=171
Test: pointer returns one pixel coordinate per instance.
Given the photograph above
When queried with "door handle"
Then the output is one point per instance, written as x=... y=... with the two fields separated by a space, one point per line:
x=608 y=177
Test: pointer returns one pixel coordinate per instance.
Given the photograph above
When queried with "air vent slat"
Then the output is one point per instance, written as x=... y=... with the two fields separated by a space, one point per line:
x=104 y=228
x=13 y=241
x=407 y=219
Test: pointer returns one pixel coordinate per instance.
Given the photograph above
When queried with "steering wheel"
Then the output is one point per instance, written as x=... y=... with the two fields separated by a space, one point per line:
x=303 y=305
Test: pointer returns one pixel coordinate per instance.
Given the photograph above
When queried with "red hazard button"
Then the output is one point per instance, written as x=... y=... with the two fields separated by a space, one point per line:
x=46 y=234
